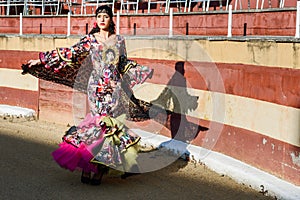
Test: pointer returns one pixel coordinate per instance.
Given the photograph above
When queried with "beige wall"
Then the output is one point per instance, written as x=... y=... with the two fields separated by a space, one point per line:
x=257 y=52
x=254 y=52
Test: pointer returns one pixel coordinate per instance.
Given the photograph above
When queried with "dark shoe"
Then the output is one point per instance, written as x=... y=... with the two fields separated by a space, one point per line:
x=85 y=177
x=97 y=178
x=128 y=174
x=125 y=175
x=96 y=181
x=135 y=171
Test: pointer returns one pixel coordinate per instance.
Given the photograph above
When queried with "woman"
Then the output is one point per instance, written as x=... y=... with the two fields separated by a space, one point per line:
x=98 y=66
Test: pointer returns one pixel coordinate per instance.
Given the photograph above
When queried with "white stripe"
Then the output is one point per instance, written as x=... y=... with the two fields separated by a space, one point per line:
x=269 y=119
x=200 y=50
x=12 y=78
x=260 y=53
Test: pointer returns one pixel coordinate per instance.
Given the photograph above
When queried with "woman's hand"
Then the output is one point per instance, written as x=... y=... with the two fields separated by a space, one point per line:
x=33 y=62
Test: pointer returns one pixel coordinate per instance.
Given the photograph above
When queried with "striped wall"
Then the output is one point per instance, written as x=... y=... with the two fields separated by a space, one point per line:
x=17 y=90
x=249 y=93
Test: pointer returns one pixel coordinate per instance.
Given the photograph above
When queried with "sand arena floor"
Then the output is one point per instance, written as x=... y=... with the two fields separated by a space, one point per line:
x=28 y=172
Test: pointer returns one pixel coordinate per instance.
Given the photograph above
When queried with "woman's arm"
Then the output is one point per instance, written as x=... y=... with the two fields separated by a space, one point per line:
x=34 y=62
x=60 y=57
x=62 y=65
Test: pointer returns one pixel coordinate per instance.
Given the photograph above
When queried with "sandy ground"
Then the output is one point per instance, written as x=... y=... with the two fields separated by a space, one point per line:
x=28 y=172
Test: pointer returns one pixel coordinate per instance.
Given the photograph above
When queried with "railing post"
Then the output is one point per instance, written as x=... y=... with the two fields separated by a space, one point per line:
x=245 y=29
x=235 y=4
x=21 y=24
x=262 y=4
x=207 y=5
x=171 y=23
x=281 y=5
x=297 y=35
x=69 y=24
x=257 y=2
x=227 y=3
x=229 y=34
x=187 y=29
x=118 y=22
x=134 y=29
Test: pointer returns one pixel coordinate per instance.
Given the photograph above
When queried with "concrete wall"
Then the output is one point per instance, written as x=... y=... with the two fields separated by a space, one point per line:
x=249 y=92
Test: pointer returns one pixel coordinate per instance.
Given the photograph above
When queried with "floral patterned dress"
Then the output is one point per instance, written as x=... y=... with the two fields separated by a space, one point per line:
x=104 y=73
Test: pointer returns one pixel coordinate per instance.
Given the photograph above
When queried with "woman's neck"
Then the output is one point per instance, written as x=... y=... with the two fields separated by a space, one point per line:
x=103 y=35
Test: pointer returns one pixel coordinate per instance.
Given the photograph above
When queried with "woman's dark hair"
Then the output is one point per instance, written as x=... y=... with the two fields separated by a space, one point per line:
x=104 y=9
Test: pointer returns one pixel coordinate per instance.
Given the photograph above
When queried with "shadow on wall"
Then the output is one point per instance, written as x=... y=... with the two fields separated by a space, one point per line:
x=178 y=102
x=170 y=109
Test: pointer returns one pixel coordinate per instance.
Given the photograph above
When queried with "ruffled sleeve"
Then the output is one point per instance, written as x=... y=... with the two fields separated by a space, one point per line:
x=60 y=57
x=121 y=41
x=62 y=65
x=132 y=72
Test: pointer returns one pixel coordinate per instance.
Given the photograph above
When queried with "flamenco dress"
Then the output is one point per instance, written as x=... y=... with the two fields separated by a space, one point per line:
x=104 y=73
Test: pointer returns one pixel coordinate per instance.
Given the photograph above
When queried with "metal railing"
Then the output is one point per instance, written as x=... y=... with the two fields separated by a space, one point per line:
x=169 y=30
x=60 y=7
x=29 y=7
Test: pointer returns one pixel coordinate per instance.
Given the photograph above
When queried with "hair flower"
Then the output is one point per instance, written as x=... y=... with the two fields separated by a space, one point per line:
x=95 y=25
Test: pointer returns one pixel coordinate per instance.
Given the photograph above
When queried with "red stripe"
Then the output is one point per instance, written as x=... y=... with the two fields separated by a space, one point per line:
x=272 y=84
x=13 y=59
x=274 y=156
x=21 y=98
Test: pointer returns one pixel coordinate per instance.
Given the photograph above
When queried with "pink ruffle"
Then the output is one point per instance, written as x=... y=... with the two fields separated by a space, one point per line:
x=71 y=157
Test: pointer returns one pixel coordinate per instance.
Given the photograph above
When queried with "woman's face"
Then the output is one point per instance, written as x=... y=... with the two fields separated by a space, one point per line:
x=103 y=21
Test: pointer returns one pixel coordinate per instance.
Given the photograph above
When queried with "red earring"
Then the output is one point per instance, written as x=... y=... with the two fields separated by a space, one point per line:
x=95 y=25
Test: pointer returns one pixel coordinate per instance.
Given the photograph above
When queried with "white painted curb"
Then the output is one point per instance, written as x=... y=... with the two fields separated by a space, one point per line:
x=15 y=111
x=222 y=164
